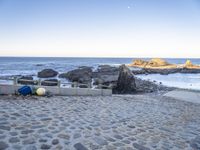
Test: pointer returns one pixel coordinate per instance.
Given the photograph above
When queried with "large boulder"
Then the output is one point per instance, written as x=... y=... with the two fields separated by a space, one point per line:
x=125 y=82
x=106 y=75
x=80 y=75
x=50 y=82
x=47 y=73
x=26 y=80
x=108 y=70
x=157 y=62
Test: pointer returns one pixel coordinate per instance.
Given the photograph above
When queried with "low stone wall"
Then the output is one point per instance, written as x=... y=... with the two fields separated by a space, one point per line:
x=59 y=91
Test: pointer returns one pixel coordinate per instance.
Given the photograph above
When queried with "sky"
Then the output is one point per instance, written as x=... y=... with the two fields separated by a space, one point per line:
x=100 y=28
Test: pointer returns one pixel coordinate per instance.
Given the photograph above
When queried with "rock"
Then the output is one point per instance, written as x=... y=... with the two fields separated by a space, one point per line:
x=5 y=128
x=168 y=71
x=55 y=141
x=47 y=73
x=106 y=75
x=20 y=80
x=30 y=147
x=39 y=65
x=79 y=146
x=189 y=70
x=29 y=141
x=76 y=136
x=80 y=75
x=50 y=82
x=139 y=71
x=160 y=66
x=139 y=62
x=188 y=63
x=148 y=86
x=100 y=141
x=119 y=137
x=14 y=140
x=157 y=62
x=106 y=70
x=126 y=81
x=106 y=80
x=3 y=145
x=45 y=146
x=140 y=147
x=64 y=136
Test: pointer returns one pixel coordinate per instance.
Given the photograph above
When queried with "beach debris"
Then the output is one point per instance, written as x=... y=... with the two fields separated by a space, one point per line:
x=126 y=81
x=41 y=91
x=25 y=90
x=47 y=73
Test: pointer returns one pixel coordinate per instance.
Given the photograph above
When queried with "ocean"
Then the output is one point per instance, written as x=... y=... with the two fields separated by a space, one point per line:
x=10 y=66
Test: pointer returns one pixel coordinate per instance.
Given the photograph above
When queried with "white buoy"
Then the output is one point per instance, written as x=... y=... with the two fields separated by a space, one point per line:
x=40 y=91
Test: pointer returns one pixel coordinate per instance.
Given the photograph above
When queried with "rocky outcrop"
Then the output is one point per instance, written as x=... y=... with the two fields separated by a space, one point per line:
x=25 y=80
x=188 y=63
x=106 y=75
x=47 y=73
x=126 y=81
x=139 y=62
x=160 y=66
x=80 y=75
x=157 y=62
x=106 y=70
x=165 y=71
x=145 y=86
x=50 y=82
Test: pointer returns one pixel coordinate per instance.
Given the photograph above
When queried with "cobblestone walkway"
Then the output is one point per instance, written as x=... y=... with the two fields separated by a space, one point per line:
x=109 y=123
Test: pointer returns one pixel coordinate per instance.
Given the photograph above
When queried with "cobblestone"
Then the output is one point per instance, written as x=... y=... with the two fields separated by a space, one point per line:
x=123 y=122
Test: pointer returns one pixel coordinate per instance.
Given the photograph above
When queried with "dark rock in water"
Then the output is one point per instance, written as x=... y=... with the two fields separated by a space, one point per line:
x=106 y=70
x=47 y=73
x=106 y=75
x=165 y=71
x=50 y=82
x=190 y=70
x=38 y=65
x=31 y=82
x=80 y=75
x=126 y=81
x=139 y=71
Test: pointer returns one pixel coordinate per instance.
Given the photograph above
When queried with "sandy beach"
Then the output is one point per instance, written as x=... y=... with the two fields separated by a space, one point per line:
x=123 y=122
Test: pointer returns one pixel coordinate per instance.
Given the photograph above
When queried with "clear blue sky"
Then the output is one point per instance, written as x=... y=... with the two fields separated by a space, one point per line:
x=100 y=28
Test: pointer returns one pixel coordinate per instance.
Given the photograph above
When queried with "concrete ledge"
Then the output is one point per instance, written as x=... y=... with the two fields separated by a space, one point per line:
x=12 y=89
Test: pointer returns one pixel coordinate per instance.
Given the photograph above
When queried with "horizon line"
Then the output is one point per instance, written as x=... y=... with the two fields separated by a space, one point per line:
x=96 y=57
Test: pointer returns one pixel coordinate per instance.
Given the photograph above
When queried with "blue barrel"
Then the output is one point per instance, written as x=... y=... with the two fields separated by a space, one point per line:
x=25 y=90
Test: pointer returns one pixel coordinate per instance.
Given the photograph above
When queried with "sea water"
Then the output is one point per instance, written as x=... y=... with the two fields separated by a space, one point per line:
x=10 y=66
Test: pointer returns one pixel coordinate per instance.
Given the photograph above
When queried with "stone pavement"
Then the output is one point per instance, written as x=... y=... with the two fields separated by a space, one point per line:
x=138 y=122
